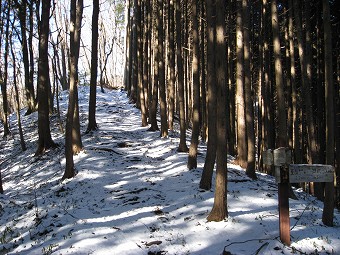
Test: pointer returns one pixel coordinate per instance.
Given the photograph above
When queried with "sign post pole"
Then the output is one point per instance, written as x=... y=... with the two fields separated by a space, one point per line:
x=281 y=161
x=280 y=158
x=286 y=173
x=284 y=213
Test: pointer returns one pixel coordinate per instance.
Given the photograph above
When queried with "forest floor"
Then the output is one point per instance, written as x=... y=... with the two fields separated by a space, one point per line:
x=133 y=194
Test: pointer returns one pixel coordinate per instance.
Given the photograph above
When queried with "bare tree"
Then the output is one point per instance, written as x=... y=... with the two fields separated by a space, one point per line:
x=92 y=125
x=172 y=64
x=328 y=211
x=161 y=68
x=210 y=157
x=219 y=210
x=4 y=74
x=17 y=99
x=180 y=79
x=192 y=159
x=76 y=11
x=45 y=140
x=154 y=96
x=249 y=103
x=29 y=88
x=240 y=100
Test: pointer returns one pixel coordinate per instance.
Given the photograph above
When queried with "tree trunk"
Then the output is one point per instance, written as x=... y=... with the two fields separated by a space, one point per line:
x=29 y=89
x=75 y=26
x=249 y=104
x=192 y=159
x=92 y=125
x=146 y=60
x=154 y=102
x=328 y=210
x=134 y=57
x=219 y=210
x=172 y=80
x=144 y=53
x=126 y=78
x=240 y=100
x=210 y=157
x=17 y=99
x=65 y=83
x=260 y=108
x=4 y=76
x=57 y=78
x=161 y=68
x=306 y=86
x=231 y=83
x=268 y=131
x=295 y=118
x=45 y=140
x=30 y=48
x=140 y=60
x=130 y=37
x=77 y=142
x=320 y=90
x=203 y=119
x=180 y=80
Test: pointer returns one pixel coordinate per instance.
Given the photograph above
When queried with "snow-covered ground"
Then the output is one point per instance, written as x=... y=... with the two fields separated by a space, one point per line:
x=134 y=195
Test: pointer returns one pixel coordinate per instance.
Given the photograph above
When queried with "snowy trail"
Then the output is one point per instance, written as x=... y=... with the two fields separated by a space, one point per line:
x=134 y=195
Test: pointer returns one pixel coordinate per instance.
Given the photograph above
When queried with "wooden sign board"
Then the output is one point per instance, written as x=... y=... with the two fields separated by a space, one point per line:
x=267 y=157
x=282 y=156
x=310 y=173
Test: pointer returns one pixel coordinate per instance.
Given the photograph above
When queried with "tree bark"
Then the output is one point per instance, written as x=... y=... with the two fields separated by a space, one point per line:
x=203 y=96
x=192 y=159
x=154 y=101
x=180 y=80
x=306 y=86
x=231 y=83
x=134 y=56
x=77 y=142
x=17 y=99
x=210 y=157
x=146 y=60
x=295 y=117
x=172 y=63
x=45 y=140
x=249 y=104
x=161 y=68
x=240 y=100
x=328 y=210
x=92 y=125
x=4 y=77
x=219 y=210
x=75 y=26
x=127 y=46
x=29 y=88
x=140 y=60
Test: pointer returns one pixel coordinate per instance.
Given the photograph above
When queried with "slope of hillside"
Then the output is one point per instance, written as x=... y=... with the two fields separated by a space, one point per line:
x=134 y=195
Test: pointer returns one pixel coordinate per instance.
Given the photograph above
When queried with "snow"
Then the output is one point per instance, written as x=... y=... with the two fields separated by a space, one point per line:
x=133 y=194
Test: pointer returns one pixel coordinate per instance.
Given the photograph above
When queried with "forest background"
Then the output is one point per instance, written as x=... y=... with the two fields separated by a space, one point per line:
x=244 y=76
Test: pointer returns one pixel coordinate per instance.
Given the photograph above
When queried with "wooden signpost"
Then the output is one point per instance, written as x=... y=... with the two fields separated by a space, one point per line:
x=285 y=173
x=310 y=173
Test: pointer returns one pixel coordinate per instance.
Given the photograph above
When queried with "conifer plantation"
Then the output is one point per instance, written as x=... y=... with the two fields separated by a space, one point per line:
x=193 y=97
